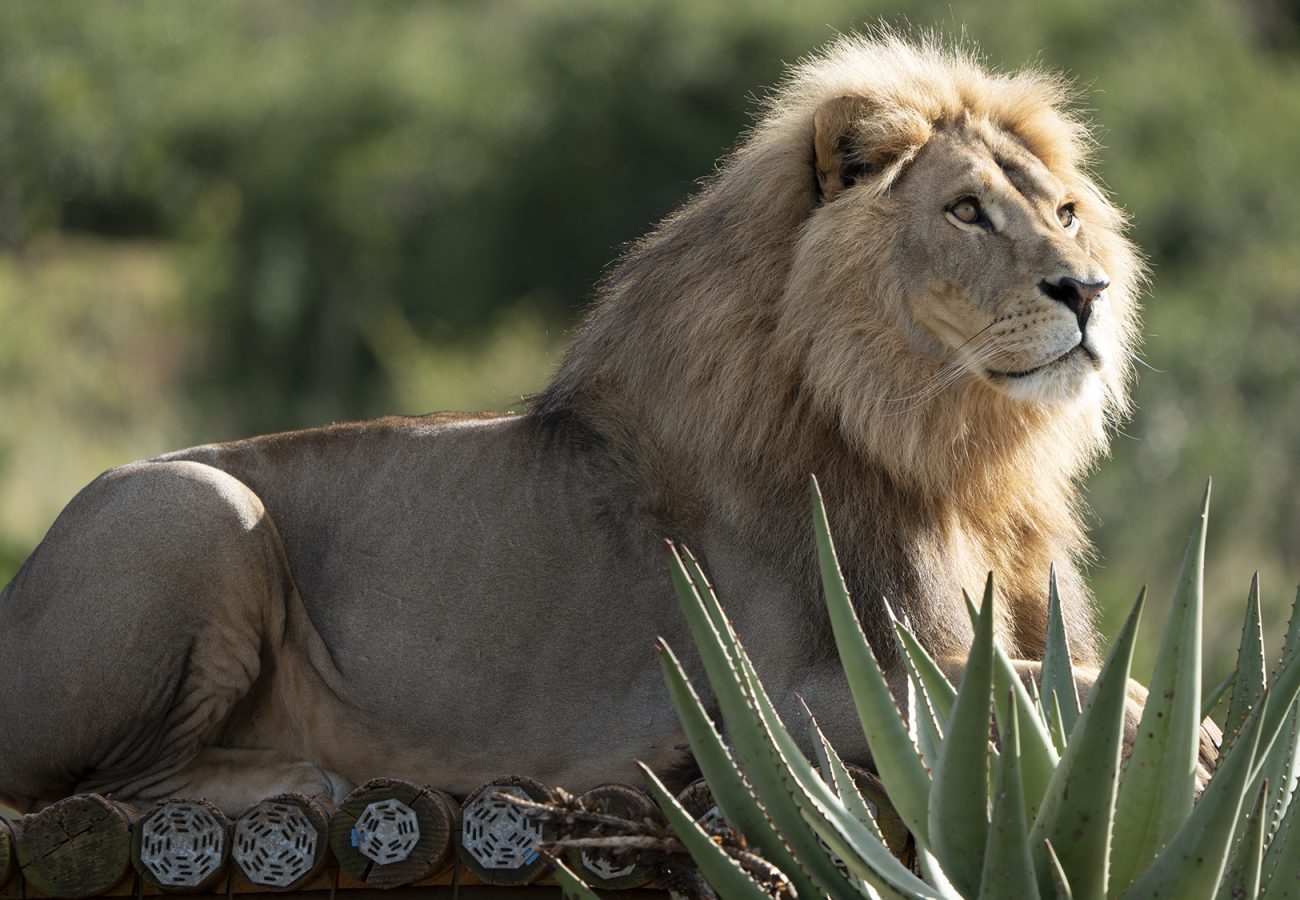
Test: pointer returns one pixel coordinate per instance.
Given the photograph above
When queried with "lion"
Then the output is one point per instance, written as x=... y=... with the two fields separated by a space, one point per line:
x=903 y=280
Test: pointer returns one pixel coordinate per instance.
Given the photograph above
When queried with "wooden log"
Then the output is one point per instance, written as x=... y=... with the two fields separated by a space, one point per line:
x=498 y=842
x=697 y=799
x=8 y=864
x=388 y=833
x=78 y=847
x=612 y=869
x=281 y=842
x=181 y=846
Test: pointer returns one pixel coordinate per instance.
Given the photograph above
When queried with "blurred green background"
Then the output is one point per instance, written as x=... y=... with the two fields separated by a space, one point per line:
x=221 y=219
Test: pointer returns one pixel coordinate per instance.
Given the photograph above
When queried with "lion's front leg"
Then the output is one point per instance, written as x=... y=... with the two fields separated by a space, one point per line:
x=1085 y=678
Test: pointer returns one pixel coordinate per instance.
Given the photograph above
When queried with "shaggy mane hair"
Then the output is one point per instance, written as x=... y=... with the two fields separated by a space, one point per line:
x=705 y=376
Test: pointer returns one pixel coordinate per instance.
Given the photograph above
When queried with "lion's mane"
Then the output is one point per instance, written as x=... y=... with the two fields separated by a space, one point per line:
x=701 y=369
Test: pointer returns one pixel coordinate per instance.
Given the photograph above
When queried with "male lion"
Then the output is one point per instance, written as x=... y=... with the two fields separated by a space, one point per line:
x=902 y=280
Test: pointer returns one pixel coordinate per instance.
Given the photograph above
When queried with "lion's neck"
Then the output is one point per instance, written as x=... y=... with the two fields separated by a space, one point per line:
x=743 y=470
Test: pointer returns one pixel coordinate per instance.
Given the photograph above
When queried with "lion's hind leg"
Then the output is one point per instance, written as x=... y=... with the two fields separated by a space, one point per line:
x=151 y=608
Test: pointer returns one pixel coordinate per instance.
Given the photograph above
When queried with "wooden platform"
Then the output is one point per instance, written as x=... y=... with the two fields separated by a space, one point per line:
x=388 y=837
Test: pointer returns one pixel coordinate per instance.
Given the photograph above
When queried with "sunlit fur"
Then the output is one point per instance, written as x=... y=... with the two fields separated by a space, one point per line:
x=761 y=333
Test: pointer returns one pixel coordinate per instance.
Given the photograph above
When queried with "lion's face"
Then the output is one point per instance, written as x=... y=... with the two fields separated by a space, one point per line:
x=954 y=256
x=1004 y=282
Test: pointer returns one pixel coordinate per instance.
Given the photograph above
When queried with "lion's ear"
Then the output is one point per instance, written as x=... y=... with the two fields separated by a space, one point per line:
x=842 y=157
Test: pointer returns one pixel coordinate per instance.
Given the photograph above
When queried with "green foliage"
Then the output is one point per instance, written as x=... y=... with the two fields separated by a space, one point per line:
x=218 y=219
x=985 y=829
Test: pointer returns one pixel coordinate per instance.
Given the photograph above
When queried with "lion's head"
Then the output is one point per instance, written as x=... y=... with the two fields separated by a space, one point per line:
x=903 y=279
x=958 y=233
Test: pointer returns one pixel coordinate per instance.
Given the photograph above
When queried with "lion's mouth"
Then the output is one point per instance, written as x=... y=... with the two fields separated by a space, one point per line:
x=1077 y=348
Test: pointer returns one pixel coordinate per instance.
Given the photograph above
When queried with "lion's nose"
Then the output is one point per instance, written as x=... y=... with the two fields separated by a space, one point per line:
x=1077 y=295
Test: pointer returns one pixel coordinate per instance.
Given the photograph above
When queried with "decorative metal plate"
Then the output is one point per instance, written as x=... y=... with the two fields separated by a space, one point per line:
x=605 y=868
x=275 y=844
x=182 y=845
x=497 y=833
x=386 y=832
x=714 y=822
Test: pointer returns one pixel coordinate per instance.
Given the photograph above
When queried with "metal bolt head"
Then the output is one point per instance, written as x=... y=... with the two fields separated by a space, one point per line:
x=182 y=844
x=497 y=833
x=606 y=869
x=275 y=844
x=386 y=831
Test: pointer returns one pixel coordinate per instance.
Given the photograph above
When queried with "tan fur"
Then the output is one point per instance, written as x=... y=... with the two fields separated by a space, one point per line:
x=756 y=337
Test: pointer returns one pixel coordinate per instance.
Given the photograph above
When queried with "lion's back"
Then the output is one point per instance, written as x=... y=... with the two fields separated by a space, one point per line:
x=458 y=548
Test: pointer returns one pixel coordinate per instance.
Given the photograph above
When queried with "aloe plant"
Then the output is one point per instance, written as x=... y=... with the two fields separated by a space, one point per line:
x=1047 y=810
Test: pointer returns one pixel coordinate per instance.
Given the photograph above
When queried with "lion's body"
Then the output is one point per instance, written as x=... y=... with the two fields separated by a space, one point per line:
x=449 y=598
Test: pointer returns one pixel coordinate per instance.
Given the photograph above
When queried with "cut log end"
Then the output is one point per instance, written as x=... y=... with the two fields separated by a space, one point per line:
x=389 y=833
x=280 y=842
x=181 y=846
x=611 y=869
x=78 y=847
x=498 y=841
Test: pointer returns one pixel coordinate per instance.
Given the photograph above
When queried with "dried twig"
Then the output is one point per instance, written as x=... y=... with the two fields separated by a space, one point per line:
x=650 y=842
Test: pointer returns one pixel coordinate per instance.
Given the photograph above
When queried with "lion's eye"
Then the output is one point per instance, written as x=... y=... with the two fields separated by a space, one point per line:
x=967 y=210
x=1066 y=215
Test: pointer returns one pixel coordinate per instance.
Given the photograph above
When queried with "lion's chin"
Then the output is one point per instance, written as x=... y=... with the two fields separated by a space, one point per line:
x=1072 y=376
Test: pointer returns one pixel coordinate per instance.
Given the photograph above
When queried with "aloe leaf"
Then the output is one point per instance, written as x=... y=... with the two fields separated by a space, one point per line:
x=895 y=756
x=1279 y=720
x=1248 y=680
x=1277 y=758
x=1031 y=688
x=921 y=665
x=1283 y=763
x=921 y=722
x=722 y=872
x=1242 y=876
x=781 y=776
x=734 y=797
x=1158 y=787
x=1049 y=724
x=1059 y=881
x=1057 y=724
x=1038 y=755
x=840 y=780
x=844 y=787
x=1008 y=867
x=1280 y=872
x=753 y=746
x=1291 y=646
x=924 y=722
x=803 y=782
x=572 y=887
x=1211 y=699
x=1278 y=767
x=863 y=852
x=933 y=872
x=1192 y=863
x=1078 y=807
x=959 y=796
x=1058 y=664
